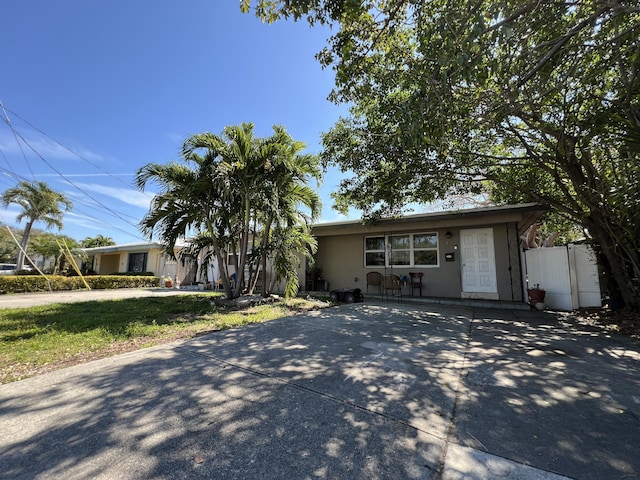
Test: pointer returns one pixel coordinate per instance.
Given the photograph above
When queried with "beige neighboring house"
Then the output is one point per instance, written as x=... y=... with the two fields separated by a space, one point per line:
x=150 y=257
x=471 y=253
x=138 y=257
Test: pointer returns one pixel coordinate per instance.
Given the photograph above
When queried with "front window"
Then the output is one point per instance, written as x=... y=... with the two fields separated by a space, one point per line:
x=374 y=251
x=399 y=250
x=425 y=249
x=137 y=262
x=405 y=250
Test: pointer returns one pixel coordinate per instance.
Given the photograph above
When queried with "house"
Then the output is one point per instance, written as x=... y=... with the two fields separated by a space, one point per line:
x=151 y=257
x=471 y=253
x=138 y=257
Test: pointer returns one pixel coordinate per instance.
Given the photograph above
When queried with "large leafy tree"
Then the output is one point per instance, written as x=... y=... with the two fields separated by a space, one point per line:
x=8 y=248
x=526 y=100
x=228 y=194
x=39 y=203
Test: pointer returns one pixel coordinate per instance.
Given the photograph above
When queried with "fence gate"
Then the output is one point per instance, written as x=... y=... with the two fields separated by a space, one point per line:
x=569 y=275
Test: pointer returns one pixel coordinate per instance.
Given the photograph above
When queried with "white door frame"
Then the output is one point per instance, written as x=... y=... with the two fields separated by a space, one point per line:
x=478 y=264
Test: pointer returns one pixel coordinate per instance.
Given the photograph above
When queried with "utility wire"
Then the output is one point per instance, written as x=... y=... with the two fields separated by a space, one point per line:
x=98 y=202
x=93 y=164
x=12 y=174
x=8 y=122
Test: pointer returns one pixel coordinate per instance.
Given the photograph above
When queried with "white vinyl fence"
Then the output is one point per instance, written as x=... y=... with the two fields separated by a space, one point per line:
x=569 y=275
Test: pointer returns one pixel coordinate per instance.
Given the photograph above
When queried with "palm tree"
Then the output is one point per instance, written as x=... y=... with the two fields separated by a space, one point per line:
x=50 y=245
x=195 y=199
x=97 y=241
x=226 y=193
x=39 y=204
x=285 y=193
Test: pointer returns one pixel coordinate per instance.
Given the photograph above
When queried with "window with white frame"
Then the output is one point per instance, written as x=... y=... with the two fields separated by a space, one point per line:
x=402 y=250
x=374 y=251
x=425 y=249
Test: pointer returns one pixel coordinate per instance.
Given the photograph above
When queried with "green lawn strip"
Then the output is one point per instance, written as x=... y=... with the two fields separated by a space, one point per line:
x=53 y=334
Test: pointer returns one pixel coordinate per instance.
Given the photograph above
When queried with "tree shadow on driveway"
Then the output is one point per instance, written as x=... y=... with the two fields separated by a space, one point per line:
x=356 y=391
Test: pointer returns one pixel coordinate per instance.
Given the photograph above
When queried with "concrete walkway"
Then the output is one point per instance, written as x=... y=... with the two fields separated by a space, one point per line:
x=363 y=391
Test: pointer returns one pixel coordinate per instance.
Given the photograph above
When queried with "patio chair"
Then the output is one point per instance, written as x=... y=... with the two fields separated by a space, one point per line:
x=394 y=284
x=375 y=279
x=415 y=281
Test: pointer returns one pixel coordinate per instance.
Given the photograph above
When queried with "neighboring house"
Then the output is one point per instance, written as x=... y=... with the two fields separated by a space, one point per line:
x=138 y=257
x=473 y=253
x=150 y=257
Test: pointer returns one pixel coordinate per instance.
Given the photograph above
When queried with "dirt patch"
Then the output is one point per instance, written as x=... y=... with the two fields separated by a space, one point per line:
x=619 y=321
x=248 y=302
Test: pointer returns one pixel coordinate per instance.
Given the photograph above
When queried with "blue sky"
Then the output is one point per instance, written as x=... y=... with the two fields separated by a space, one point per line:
x=99 y=88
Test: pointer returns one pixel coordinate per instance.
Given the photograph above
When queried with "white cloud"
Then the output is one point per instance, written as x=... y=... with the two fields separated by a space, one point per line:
x=129 y=196
x=43 y=147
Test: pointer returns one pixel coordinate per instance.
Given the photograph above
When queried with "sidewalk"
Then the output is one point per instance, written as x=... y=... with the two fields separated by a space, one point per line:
x=362 y=391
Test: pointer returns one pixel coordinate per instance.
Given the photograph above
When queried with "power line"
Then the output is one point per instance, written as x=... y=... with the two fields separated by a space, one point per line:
x=10 y=173
x=43 y=133
x=98 y=202
x=8 y=122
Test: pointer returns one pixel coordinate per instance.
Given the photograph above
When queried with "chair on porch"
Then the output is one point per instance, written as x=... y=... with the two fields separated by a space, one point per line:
x=375 y=279
x=393 y=283
x=415 y=281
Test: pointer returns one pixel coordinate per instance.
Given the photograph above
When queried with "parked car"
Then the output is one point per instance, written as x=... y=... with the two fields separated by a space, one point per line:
x=10 y=268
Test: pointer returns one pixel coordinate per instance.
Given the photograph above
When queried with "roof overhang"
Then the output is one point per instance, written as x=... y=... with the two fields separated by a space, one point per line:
x=125 y=247
x=524 y=214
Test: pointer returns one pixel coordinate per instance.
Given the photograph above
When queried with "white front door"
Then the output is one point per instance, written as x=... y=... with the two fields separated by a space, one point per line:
x=478 y=264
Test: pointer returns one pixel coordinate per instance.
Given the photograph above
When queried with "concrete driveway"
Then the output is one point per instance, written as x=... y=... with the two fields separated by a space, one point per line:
x=363 y=391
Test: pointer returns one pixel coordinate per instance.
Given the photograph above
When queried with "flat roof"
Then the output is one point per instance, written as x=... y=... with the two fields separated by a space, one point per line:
x=124 y=246
x=536 y=209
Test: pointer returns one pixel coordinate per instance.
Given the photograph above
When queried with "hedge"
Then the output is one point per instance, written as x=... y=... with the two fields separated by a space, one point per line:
x=31 y=283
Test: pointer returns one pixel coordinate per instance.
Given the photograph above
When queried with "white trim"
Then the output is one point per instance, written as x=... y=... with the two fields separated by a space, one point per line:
x=411 y=249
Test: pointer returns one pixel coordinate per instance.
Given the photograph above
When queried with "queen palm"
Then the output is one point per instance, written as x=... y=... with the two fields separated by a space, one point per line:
x=196 y=198
x=39 y=204
x=289 y=206
x=223 y=192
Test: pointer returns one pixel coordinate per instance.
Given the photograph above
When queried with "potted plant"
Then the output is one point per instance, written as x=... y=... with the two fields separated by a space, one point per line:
x=536 y=296
x=168 y=282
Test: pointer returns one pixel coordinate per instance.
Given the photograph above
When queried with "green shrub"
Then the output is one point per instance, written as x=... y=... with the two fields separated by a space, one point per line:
x=26 y=272
x=133 y=274
x=31 y=283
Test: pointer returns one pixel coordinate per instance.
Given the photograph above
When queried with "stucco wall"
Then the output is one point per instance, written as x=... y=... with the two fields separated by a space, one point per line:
x=108 y=263
x=118 y=262
x=341 y=258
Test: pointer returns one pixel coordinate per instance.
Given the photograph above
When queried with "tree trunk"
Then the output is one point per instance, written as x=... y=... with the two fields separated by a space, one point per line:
x=23 y=245
x=265 y=241
x=618 y=269
x=222 y=267
x=607 y=228
x=244 y=244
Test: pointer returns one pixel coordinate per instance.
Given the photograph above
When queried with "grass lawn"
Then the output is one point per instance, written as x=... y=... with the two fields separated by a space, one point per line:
x=40 y=339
